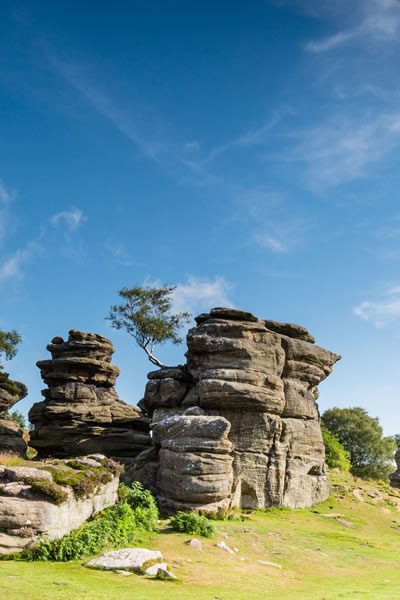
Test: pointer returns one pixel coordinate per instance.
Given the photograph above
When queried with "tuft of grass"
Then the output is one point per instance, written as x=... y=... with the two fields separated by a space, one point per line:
x=193 y=523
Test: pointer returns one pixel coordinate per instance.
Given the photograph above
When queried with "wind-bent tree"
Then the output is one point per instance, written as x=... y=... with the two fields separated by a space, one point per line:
x=9 y=341
x=145 y=313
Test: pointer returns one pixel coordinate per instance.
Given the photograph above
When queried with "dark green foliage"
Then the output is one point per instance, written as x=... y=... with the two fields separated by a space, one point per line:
x=114 y=527
x=9 y=341
x=336 y=457
x=142 y=502
x=145 y=314
x=50 y=491
x=371 y=454
x=192 y=523
x=18 y=417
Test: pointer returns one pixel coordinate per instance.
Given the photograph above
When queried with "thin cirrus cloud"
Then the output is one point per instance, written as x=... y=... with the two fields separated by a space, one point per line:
x=341 y=148
x=6 y=197
x=378 y=20
x=75 y=77
x=13 y=267
x=382 y=311
x=73 y=219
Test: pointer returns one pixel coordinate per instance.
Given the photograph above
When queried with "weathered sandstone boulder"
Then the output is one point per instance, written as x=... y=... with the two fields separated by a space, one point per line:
x=81 y=412
x=395 y=477
x=256 y=441
x=11 y=392
x=32 y=504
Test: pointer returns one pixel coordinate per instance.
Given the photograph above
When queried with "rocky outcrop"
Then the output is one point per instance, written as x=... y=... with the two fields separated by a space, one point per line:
x=395 y=477
x=256 y=441
x=11 y=392
x=81 y=412
x=33 y=505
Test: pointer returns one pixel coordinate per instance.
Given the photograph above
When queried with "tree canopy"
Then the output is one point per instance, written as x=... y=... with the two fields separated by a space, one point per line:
x=9 y=341
x=145 y=313
x=371 y=454
x=336 y=457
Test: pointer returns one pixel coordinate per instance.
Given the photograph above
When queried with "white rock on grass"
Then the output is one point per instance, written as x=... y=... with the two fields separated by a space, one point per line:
x=164 y=574
x=267 y=563
x=195 y=544
x=127 y=559
x=225 y=547
x=153 y=570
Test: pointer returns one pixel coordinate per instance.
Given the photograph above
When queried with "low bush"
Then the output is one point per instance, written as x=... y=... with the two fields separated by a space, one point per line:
x=336 y=457
x=143 y=504
x=114 y=527
x=192 y=523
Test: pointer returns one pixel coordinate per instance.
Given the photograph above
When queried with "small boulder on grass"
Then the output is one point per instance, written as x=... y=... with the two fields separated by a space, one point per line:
x=127 y=559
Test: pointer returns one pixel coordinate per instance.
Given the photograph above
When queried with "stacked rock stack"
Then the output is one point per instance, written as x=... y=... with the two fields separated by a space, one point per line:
x=11 y=392
x=395 y=477
x=255 y=382
x=81 y=412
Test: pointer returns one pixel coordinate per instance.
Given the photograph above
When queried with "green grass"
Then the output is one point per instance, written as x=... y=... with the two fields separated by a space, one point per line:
x=321 y=558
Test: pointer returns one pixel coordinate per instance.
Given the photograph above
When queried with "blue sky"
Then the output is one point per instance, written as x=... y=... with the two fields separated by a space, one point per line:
x=246 y=152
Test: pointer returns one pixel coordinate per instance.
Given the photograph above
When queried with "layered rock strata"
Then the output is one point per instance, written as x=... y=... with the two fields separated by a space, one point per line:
x=81 y=412
x=33 y=505
x=395 y=477
x=11 y=392
x=255 y=382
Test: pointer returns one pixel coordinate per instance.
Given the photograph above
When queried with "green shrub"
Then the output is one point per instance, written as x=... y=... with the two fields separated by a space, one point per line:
x=192 y=523
x=114 y=527
x=336 y=456
x=143 y=504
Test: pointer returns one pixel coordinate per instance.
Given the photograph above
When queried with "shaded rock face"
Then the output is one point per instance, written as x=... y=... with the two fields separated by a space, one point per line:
x=81 y=412
x=26 y=513
x=395 y=477
x=238 y=425
x=11 y=392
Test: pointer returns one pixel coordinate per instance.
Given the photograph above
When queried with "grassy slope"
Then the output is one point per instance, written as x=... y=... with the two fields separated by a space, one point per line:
x=321 y=558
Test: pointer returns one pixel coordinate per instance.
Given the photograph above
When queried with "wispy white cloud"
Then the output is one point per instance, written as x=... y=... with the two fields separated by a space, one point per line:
x=6 y=197
x=342 y=148
x=272 y=243
x=197 y=294
x=13 y=266
x=75 y=76
x=274 y=221
x=73 y=219
x=378 y=20
x=119 y=253
x=250 y=137
x=382 y=311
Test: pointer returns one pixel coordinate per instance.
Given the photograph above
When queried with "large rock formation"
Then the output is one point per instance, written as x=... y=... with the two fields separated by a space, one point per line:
x=11 y=392
x=254 y=438
x=395 y=477
x=32 y=505
x=81 y=412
